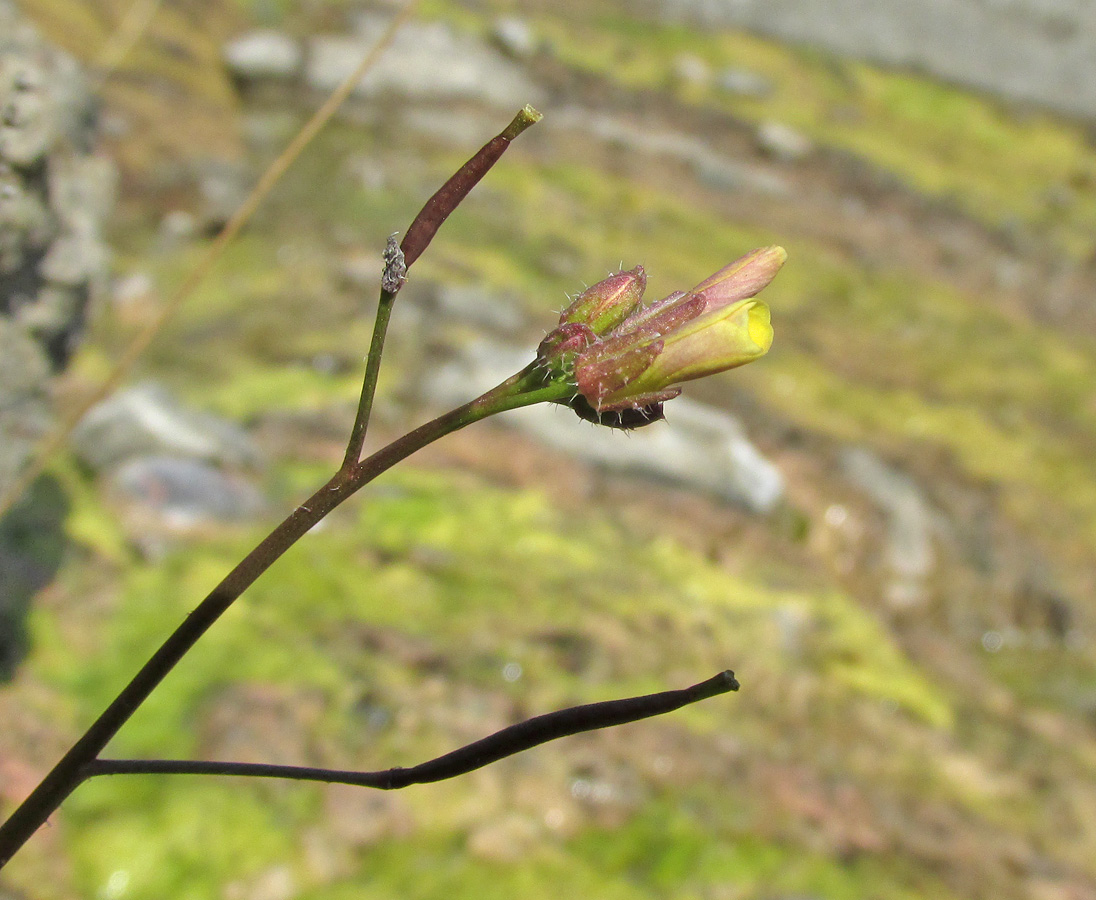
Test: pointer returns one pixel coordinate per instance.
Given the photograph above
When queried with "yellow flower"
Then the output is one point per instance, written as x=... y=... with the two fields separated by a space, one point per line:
x=714 y=327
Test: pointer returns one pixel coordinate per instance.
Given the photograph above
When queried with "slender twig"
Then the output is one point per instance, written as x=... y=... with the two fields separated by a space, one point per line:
x=523 y=389
x=508 y=742
x=421 y=231
x=59 y=436
x=369 y=385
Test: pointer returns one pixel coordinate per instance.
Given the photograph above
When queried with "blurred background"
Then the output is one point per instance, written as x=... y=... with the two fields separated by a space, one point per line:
x=886 y=527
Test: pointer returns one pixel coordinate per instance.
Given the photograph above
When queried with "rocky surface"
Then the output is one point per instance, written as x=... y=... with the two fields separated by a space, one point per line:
x=170 y=469
x=698 y=447
x=147 y=419
x=264 y=53
x=1039 y=52
x=183 y=493
x=909 y=553
x=32 y=549
x=718 y=170
x=55 y=194
x=410 y=68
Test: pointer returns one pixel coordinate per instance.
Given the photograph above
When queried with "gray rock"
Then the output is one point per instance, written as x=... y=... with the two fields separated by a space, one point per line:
x=909 y=552
x=43 y=97
x=81 y=191
x=714 y=168
x=73 y=260
x=514 y=37
x=698 y=446
x=176 y=227
x=182 y=493
x=1041 y=51
x=456 y=127
x=24 y=404
x=54 y=193
x=691 y=70
x=33 y=545
x=263 y=54
x=132 y=289
x=28 y=123
x=783 y=143
x=730 y=175
x=24 y=221
x=744 y=83
x=49 y=317
x=222 y=187
x=147 y=420
x=424 y=62
x=469 y=304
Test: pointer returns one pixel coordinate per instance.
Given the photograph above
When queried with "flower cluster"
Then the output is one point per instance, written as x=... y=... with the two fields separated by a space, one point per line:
x=625 y=360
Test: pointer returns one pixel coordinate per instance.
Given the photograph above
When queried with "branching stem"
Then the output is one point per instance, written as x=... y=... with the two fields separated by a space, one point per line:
x=419 y=235
x=522 y=389
x=531 y=385
x=509 y=741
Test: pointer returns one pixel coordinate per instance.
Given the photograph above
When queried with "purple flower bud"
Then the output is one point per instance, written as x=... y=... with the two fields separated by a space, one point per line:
x=712 y=328
x=743 y=278
x=605 y=305
x=558 y=351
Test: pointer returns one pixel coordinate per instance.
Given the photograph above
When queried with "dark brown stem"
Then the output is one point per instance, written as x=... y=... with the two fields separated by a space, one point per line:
x=509 y=741
x=521 y=390
x=422 y=230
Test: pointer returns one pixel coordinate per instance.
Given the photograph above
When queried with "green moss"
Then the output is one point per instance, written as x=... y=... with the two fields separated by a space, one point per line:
x=428 y=869
x=480 y=572
x=207 y=835
x=1037 y=471
x=667 y=850
x=944 y=141
x=860 y=657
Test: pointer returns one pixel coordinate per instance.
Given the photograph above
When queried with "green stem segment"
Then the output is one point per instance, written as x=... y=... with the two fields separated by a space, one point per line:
x=369 y=385
x=419 y=235
x=523 y=389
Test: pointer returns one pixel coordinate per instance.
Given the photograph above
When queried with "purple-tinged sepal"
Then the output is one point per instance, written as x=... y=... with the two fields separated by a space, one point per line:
x=603 y=306
x=714 y=327
x=559 y=350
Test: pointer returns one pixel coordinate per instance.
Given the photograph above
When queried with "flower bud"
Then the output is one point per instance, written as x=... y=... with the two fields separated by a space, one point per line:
x=743 y=278
x=714 y=327
x=603 y=306
x=558 y=351
x=714 y=342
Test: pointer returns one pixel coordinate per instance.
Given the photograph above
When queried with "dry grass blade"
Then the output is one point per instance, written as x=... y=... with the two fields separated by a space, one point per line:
x=59 y=437
x=125 y=36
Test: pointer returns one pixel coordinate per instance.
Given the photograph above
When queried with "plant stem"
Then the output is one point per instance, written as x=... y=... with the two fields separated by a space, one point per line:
x=419 y=235
x=523 y=389
x=369 y=384
x=507 y=742
x=446 y=199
